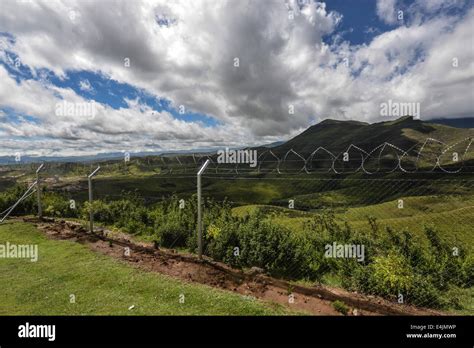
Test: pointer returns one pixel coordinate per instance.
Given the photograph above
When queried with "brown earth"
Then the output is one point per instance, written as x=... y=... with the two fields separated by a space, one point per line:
x=316 y=300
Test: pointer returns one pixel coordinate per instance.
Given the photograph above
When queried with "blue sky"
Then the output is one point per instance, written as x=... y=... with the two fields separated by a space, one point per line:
x=98 y=87
x=182 y=89
x=361 y=23
x=359 y=26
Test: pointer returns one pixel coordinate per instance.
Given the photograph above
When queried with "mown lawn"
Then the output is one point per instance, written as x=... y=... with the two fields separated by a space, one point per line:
x=101 y=285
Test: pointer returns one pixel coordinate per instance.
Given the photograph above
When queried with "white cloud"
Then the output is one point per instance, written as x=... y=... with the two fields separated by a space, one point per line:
x=85 y=85
x=432 y=6
x=386 y=11
x=137 y=126
x=188 y=58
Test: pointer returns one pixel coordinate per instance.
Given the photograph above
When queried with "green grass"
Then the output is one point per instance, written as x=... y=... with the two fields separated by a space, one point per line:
x=151 y=187
x=102 y=285
x=450 y=215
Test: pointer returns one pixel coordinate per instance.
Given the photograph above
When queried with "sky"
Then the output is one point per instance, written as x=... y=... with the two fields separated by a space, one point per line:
x=87 y=77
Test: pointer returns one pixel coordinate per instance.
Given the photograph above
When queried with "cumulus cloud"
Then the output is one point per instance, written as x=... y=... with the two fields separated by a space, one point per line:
x=386 y=11
x=244 y=63
x=135 y=127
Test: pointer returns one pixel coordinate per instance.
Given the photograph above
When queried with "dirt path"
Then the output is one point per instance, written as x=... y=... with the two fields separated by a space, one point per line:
x=252 y=284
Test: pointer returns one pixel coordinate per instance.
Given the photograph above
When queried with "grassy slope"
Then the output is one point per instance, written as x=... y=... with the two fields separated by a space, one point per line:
x=102 y=286
x=452 y=216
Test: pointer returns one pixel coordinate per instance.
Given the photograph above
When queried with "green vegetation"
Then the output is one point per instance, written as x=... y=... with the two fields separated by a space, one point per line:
x=101 y=285
x=413 y=260
x=394 y=264
x=340 y=307
x=422 y=250
x=451 y=214
x=405 y=133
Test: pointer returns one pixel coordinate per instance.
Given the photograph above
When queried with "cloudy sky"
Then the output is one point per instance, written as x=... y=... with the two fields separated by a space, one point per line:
x=170 y=75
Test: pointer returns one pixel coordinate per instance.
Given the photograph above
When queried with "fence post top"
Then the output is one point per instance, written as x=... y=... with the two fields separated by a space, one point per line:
x=94 y=172
x=204 y=166
x=40 y=168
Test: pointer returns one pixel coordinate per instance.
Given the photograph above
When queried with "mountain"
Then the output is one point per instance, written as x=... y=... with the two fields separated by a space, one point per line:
x=337 y=136
x=107 y=156
x=405 y=144
x=275 y=144
x=455 y=122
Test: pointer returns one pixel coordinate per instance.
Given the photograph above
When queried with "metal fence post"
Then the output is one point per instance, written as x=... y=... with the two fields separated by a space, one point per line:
x=91 y=213
x=38 y=191
x=199 y=222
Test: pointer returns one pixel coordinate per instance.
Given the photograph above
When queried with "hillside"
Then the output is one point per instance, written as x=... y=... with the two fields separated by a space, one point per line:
x=337 y=136
x=384 y=146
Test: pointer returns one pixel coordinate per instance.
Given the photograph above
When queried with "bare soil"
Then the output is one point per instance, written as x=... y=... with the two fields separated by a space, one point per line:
x=316 y=300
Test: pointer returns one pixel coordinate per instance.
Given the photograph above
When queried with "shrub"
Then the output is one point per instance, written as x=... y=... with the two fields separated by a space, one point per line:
x=395 y=264
x=54 y=204
x=456 y=298
x=11 y=196
x=424 y=293
x=468 y=270
x=391 y=275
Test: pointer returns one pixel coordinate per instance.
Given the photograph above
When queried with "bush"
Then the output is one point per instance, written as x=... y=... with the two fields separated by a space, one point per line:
x=391 y=275
x=456 y=298
x=11 y=196
x=395 y=264
x=252 y=241
x=56 y=205
x=468 y=270
x=424 y=293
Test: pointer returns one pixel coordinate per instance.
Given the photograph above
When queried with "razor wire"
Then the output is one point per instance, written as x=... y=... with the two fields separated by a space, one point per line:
x=370 y=191
x=428 y=156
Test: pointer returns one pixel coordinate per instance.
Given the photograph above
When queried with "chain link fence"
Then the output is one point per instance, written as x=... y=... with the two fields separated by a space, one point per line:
x=390 y=223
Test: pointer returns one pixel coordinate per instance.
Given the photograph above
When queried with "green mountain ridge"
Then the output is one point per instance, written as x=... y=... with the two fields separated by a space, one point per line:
x=405 y=133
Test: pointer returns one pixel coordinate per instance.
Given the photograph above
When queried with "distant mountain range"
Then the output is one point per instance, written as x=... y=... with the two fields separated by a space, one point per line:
x=335 y=136
x=112 y=155
x=92 y=158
